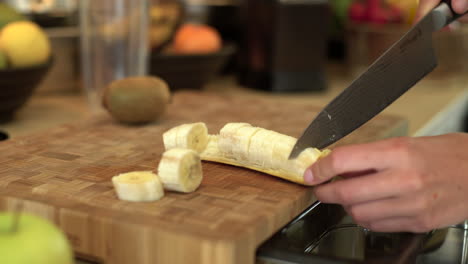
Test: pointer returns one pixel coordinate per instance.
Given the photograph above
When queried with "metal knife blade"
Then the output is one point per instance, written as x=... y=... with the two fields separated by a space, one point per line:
x=392 y=74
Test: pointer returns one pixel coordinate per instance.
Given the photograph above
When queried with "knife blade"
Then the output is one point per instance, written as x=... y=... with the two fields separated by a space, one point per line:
x=391 y=75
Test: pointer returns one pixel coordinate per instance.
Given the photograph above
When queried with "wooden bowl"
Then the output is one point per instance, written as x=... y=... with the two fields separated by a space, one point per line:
x=16 y=87
x=189 y=71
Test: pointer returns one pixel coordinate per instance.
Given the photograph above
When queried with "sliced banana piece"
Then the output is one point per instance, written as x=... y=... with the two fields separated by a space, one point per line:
x=236 y=144
x=229 y=139
x=180 y=170
x=138 y=186
x=261 y=148
x=192 y=136
x=281 y=150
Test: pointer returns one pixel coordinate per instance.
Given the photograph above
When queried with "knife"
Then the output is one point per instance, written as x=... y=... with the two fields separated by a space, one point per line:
x=392 y=74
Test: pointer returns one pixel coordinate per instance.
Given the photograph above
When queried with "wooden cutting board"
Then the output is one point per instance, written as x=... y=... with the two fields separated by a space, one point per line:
x=65 y=175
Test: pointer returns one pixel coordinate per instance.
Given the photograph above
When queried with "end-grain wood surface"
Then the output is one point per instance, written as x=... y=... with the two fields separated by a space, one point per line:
x=65 y=175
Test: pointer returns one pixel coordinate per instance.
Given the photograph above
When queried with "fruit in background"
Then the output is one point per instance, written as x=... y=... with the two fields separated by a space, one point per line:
x=407 y=7
x=395 y=14
x=196 y=38
x=25 y=44
x=137 y=99
x=3 y=61
x=34 y=240
x=164 y=20
x=8 y=14
x=375 y=11
x=381 y=13
x=358 y=12
x=340 y=14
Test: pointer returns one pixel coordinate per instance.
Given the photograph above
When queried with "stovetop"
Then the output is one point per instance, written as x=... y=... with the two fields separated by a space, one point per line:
x=325 y=234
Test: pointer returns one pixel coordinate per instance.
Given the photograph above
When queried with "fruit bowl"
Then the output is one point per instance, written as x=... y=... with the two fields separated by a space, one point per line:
x=189 y=71
x=366 y=42
x=17 y=86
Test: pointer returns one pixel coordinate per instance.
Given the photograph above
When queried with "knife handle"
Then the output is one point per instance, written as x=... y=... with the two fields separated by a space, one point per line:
x=454 y=15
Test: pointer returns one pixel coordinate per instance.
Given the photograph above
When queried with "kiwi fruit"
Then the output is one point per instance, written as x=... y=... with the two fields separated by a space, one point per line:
x=136 y=100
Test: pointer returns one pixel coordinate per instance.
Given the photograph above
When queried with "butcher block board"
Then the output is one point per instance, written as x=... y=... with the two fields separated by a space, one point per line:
x=65 y=175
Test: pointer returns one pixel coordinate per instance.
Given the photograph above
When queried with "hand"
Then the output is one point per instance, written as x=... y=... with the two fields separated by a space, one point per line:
x=459 y=6
x=399 y=184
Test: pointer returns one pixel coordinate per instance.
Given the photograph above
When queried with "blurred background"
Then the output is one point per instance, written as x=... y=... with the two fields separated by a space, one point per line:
x=275 y=42
x=269 y=45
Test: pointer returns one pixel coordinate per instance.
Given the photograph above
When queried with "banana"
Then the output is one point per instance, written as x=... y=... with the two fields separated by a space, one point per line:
x=267 y=151
x=261 y=148
x=212 y=148
x=138 y=186
x=230 y=137
x=238 y=143
x=180 y=170
x=192 y=136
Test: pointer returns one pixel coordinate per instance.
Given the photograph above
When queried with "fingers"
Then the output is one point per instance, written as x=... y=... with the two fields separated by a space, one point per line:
x=362 y=189
x=347 y=159
x=398 y=224
x=463 y=19
x=409 y=214
x=460 y=6
x=424 y=7
x=374 y=211
x=357 y=158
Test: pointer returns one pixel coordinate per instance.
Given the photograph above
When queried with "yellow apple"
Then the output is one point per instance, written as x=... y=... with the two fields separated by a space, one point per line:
x=34 y=241
x=25 y=44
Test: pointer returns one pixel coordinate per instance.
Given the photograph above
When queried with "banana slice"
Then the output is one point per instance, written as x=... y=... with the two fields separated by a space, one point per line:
x=238 y=142
x=261 y=148
x=138 y=186
x=180 y=170
x=281 y=149
x=192 y=136
x=229 y=137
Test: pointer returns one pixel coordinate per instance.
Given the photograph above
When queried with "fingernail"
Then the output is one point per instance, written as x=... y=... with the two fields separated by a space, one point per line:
x=464 y=7
x=308 y=176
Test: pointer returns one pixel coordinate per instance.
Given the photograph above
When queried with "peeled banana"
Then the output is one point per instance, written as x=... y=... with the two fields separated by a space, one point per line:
x=192 y=136
x=180 y=170
x=241 y=144
x=138 y=186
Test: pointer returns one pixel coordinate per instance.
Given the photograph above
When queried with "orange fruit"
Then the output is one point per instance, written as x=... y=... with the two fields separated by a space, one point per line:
x=196 y=38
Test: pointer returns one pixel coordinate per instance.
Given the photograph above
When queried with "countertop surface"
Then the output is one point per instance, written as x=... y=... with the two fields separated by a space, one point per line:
x=426 y=106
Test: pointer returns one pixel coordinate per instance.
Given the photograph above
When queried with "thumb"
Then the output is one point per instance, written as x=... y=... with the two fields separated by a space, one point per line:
x=351 y=160
x=424 y=7
x=319 y=172
x=460 y=6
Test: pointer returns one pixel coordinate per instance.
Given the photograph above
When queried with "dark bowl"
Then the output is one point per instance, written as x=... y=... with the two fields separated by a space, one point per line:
x=189 y=71
x=16 y=87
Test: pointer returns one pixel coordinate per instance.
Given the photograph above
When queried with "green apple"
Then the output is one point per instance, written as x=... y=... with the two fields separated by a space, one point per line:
x=34 y=240
x=3 y=61
x=9 y=14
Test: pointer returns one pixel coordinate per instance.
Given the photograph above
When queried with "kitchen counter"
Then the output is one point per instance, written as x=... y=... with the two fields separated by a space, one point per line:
x=431 y=107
